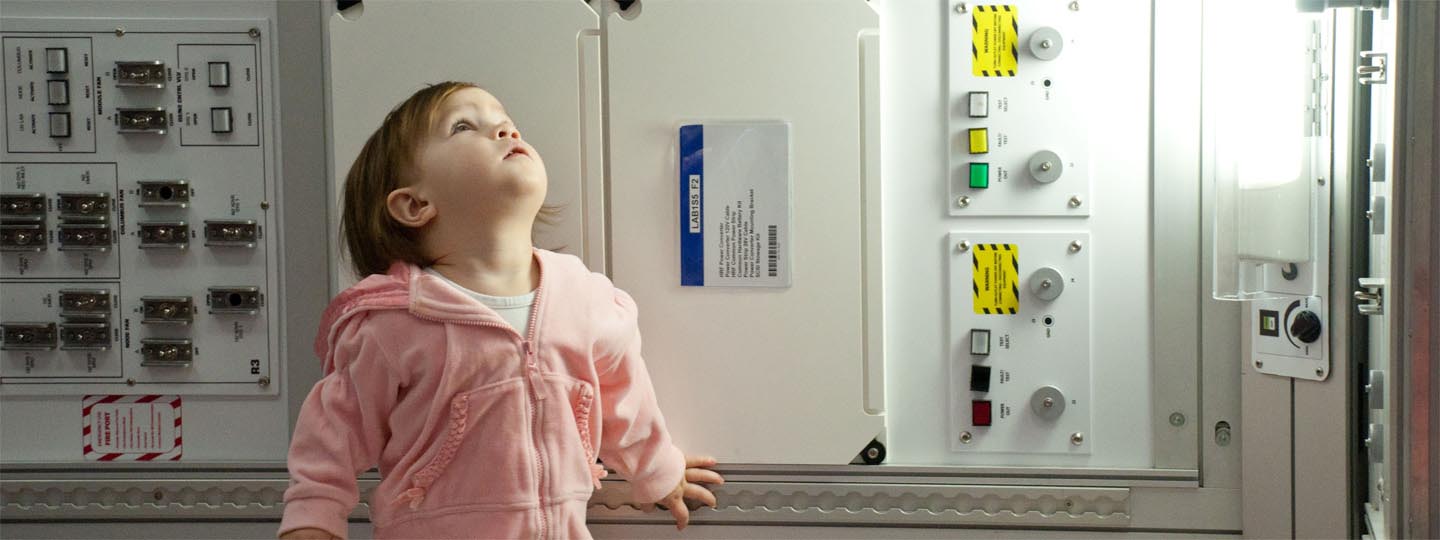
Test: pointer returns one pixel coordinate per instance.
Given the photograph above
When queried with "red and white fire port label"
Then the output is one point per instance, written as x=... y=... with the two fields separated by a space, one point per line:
x=131 y=428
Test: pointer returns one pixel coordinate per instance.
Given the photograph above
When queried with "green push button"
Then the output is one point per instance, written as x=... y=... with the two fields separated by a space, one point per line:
x=979 y=175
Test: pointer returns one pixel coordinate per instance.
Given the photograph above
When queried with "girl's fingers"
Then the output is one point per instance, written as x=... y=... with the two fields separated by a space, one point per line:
x=682 y=515
x=699 y=461
x=698 y=493
x=703 y=476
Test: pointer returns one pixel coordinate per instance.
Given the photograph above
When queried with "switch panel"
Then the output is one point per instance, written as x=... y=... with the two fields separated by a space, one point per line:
x=117 y=147
x=1020 y=348
x=1020 y=76
x=50 y=94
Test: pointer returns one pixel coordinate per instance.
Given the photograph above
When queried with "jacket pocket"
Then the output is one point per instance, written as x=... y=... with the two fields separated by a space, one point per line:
x=485 y=456
x=572 y=429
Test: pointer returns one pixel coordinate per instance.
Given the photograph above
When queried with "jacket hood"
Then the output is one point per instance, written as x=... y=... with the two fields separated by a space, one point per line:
x=404 y=286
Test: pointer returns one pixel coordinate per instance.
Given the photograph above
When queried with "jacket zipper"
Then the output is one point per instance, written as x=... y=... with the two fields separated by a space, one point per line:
x=532 y=380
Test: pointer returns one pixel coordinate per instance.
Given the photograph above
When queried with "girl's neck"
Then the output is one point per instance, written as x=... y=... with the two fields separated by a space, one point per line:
x=502 y=265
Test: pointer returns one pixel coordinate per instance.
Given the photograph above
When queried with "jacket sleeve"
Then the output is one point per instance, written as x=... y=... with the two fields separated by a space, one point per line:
x=634 y=441
x=340 y=433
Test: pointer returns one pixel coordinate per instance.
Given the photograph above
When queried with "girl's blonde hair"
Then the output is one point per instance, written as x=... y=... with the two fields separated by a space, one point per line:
x=373 y=239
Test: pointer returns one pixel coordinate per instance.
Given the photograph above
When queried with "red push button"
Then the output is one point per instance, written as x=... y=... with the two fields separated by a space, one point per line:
x=980 y=412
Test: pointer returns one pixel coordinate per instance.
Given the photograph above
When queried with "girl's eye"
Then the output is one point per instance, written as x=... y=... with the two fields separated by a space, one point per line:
x=461 y=126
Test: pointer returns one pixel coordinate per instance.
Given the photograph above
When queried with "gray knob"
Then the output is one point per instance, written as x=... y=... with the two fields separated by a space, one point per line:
x=1047 y=284
x=1046 y=43
x=1048 y=402
x=1045 y=166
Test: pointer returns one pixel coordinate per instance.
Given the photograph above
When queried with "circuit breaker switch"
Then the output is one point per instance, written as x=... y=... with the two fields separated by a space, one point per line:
x=84 y=304
x=57 y=92
x=979 y=342
x=152 y=120
x=57 y=60
x=27 y=336
x=979 y=140
x=980 y=413
x=979 y=175
x=219 y=74
x=221 y=120
x=166 y=352
x=59 y=125
x=1048 y=402
x=979 y=104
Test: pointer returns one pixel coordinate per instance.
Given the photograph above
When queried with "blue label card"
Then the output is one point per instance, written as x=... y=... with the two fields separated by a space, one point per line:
x=735 y=211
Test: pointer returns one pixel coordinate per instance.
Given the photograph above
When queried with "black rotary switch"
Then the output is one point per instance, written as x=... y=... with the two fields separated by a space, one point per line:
x=1306 y=326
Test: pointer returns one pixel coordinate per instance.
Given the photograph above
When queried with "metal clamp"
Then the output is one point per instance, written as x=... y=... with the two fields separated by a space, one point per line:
x=1371 y=297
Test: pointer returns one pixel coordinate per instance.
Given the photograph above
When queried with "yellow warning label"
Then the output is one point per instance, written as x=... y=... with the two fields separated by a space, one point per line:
x=995 y=278
x=994 y=41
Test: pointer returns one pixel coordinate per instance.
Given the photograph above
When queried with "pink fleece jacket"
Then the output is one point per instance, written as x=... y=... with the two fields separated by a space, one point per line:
x=478 y=431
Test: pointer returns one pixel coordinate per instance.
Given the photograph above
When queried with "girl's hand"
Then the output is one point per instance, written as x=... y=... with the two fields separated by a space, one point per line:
x=697 y=472
x=308 y=534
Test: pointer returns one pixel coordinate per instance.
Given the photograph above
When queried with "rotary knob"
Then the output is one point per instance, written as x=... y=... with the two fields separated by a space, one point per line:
x=1306 y=326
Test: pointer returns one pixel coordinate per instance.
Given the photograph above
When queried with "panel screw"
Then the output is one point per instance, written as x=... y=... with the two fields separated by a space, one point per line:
x=1321 y=181
x=1045 y=44
x=1047 y=403
x=264 y=205
x=1259 y=364
x=966 y=437
x=1319 y=372
x=1046 y=284
x=119 y=31
x=1075 y=201
x=254 y=32
x=960 y=8
x=264 y=382
x=158 y=495
x=130 y=382
x=872 y=453
x=963 y=201
x=1222 y=433
x=1077 y=438
x=1074 y=6
x=964 y=245
x=1075 y=246
x=1177 y=419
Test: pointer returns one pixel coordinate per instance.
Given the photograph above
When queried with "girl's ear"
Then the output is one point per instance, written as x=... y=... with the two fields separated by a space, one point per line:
x=409 y=208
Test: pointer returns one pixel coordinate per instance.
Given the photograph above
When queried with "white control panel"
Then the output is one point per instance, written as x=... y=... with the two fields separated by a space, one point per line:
x=1289 y=337
x=138 y=186
x=1019 y=74
x=1020 y=342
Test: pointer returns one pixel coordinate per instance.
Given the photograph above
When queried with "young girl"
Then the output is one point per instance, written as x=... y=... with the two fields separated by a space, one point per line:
x=482 y=375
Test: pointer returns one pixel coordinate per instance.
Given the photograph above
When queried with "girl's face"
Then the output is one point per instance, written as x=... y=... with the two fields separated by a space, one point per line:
x=473 y=165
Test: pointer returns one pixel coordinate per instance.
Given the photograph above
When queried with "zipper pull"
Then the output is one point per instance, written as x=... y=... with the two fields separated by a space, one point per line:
x=529 y=350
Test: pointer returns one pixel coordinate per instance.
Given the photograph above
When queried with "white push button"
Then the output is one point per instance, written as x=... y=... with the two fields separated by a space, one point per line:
x=979 y=104
x=979 y=342
x=219 y=74
x=220 y=120
x=59 y=125
x=58 y=92
x=57 y=60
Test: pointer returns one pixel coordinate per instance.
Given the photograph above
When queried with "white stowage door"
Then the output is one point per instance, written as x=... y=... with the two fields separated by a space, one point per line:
x=775 y=370
x=541 y=58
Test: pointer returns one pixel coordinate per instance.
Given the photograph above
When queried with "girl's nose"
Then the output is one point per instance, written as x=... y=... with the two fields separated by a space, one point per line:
x=508 y=133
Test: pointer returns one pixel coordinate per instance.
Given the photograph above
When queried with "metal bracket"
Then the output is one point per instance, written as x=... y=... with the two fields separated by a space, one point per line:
x=1371 y=297
x=1372 y=68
